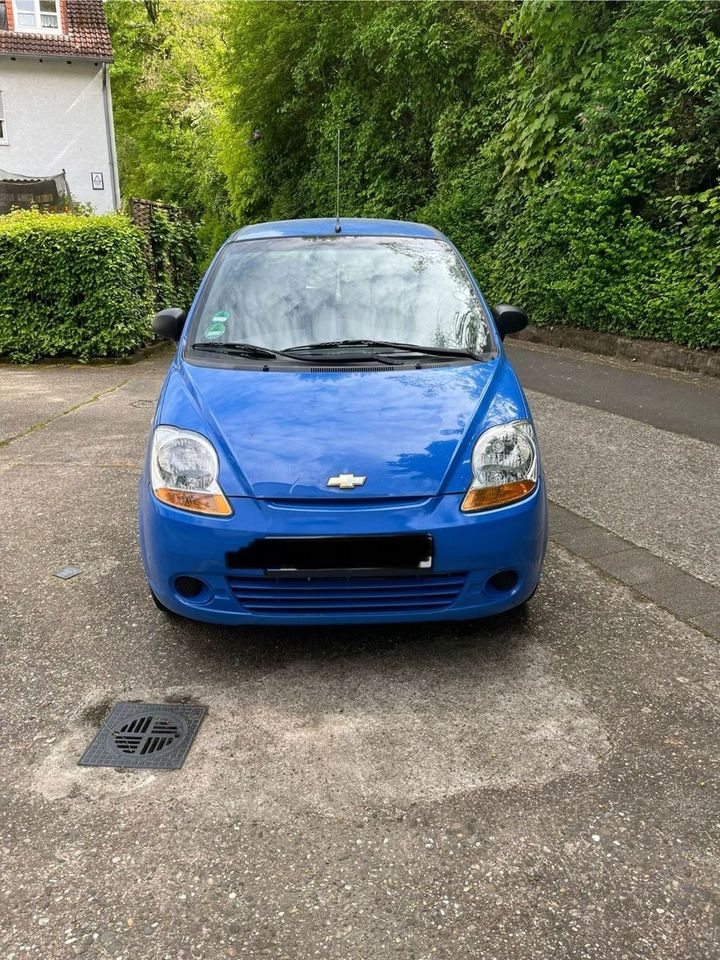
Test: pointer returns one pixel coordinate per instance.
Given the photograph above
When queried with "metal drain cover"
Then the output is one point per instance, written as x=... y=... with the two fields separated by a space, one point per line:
x=151 y=735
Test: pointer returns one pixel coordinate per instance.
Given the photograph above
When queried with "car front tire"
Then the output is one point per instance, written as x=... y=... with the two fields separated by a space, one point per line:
x=161 y=606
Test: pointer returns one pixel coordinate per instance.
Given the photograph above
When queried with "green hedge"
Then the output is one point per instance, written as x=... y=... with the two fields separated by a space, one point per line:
x=601 y=206
x=72 y=286
x=570 y=149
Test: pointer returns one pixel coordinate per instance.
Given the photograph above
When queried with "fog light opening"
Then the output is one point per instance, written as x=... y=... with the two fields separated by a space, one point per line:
x=503 y=581
x=189 y=587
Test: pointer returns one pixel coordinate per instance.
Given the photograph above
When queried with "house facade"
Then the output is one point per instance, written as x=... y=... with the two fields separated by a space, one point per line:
x=56 y=124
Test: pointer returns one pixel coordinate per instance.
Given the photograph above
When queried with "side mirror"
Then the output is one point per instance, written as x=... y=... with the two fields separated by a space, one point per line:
x=509 y=319
x=169 y=323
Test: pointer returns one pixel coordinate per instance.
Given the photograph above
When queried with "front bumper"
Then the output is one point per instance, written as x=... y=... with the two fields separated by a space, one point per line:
x=469 y=549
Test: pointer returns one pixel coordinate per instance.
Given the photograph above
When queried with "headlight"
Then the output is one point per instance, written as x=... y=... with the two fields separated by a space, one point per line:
x=185 y=471
x=504 y=466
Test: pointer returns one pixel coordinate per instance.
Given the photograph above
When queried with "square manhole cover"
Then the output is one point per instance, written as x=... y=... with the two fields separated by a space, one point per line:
x=150 y=735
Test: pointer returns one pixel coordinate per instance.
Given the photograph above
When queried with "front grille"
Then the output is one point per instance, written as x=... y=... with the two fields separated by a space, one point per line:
x=284 y=596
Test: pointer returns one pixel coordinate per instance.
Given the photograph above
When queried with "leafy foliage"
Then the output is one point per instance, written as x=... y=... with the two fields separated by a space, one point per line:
x=173 y=255
x=608 y=211
x=570 y=149
x=71 y=285
x=168 y=105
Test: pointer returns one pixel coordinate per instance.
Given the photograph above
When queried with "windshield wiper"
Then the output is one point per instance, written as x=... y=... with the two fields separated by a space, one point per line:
x=389 y=345
x=378 y=348
x=240 y=349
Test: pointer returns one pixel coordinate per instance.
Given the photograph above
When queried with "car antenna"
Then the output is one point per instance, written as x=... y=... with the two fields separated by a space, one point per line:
x=338 y=228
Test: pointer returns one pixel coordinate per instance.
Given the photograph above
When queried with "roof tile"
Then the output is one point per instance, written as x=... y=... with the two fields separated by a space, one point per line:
x=87 y=37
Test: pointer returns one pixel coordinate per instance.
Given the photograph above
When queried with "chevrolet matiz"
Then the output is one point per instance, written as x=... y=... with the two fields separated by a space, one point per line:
x=340 y=437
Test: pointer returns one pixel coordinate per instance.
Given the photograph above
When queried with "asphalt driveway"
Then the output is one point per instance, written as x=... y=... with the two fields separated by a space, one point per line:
x=543 y=784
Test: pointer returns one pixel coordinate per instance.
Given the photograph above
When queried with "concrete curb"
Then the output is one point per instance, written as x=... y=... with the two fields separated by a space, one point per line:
x=142 y=354
x=651 y=578
x=655 y=352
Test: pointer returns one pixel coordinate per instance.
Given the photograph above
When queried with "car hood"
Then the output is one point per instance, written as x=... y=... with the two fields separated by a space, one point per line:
x=283 y=434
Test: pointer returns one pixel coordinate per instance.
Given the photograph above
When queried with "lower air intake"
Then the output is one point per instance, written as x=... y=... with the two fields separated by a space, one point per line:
x=283 y=596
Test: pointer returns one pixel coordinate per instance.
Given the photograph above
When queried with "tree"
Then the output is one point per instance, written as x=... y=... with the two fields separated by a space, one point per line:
x=571 y=149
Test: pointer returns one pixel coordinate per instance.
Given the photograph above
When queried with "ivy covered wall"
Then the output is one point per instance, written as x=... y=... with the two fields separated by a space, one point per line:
x=173 y=250
x=570 y=149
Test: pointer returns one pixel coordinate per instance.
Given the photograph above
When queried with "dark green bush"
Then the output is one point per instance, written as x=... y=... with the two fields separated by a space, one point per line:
x=71 y=286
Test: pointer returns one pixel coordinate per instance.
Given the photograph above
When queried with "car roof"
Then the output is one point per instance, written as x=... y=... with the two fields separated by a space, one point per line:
x=325 y=227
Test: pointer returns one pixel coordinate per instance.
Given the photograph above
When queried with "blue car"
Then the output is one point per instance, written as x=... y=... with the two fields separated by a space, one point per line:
x=340 y=437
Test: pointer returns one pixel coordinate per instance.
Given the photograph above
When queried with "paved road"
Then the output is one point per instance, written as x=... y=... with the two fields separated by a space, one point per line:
x=633 y=474
x=542 y=784
x=679 y=402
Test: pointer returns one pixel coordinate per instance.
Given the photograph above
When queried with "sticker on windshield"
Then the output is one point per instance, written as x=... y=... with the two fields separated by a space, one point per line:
x=216 y=327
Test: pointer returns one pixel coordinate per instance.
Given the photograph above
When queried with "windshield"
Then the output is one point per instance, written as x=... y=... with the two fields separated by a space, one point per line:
x=293 y=291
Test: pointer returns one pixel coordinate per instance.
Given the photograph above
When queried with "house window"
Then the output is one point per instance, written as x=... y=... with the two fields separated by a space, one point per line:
x=37 y=15
x=3 y=125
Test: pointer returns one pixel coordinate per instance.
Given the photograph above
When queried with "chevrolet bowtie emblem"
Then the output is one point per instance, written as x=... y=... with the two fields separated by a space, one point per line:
x=346 y=481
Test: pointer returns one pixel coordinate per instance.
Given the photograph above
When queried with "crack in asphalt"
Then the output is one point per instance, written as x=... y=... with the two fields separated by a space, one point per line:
x=42 y=424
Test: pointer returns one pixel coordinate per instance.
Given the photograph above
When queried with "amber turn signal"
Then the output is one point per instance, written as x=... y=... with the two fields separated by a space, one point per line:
x=484 y=498
x=213 y=503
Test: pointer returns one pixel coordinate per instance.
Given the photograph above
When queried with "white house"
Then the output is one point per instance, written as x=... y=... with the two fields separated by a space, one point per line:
x=55 y=105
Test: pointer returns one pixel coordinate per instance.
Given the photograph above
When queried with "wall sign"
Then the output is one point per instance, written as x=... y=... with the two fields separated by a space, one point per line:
x=98 y=183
